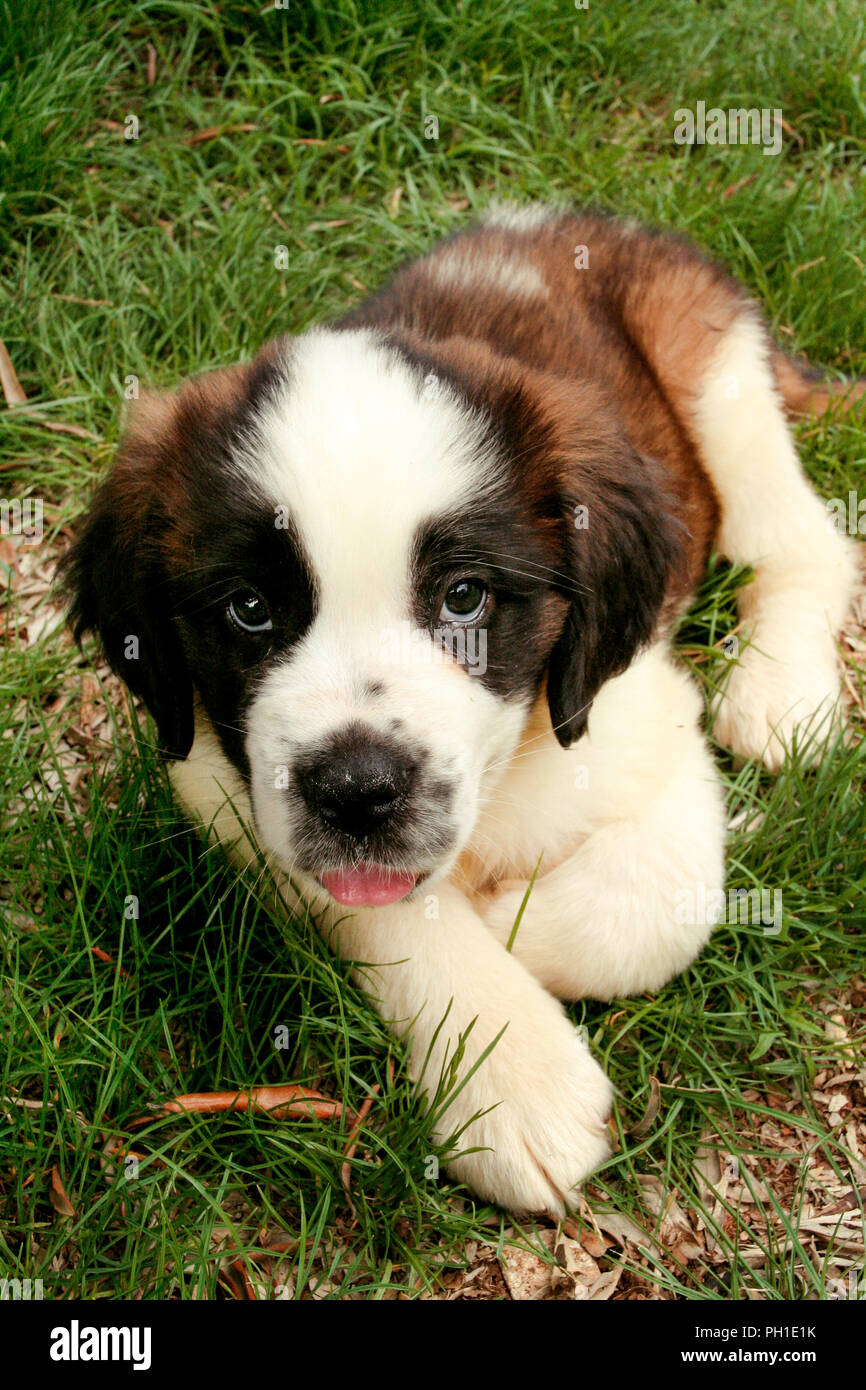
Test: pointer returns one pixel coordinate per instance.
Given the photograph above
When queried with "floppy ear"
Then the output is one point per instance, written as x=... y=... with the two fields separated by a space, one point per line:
x=117 y=587
x=624 y=545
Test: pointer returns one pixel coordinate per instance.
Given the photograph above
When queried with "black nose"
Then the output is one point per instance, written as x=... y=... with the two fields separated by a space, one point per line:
x=357 y=784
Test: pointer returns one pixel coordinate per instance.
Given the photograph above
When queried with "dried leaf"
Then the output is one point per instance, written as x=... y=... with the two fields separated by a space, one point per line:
x=605 y=1285
x=646 y=1120
x=13 y=391
x=57 y=1196
x=527 y=1275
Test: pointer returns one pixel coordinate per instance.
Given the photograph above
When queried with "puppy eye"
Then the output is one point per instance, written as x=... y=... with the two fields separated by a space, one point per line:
x=248 y=611
x=465 y=601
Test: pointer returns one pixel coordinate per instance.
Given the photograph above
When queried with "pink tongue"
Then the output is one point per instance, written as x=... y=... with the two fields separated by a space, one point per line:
x=367 y=885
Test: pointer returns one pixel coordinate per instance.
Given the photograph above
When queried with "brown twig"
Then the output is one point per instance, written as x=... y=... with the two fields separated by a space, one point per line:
x=279 y=1101
x=213 y=132
x=322 y=144
x=351 y=1146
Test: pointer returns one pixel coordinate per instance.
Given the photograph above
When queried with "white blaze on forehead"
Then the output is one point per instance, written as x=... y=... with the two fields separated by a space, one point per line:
x=360 y=451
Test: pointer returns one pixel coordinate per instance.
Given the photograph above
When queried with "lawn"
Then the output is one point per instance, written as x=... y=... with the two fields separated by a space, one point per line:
x=153 y=159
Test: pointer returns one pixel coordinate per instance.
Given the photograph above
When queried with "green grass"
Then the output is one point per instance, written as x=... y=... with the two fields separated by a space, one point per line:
x=155 y=257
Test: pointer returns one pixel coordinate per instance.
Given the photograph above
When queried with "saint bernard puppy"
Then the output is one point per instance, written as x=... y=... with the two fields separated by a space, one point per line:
x=398 y=596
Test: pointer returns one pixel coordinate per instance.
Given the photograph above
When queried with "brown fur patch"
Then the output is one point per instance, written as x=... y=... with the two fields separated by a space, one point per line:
x=632 y=331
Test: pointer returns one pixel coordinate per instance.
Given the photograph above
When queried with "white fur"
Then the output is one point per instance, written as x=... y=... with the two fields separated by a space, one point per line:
x=516 y=217
x=464 y=267
x=787 y=679
x=213 y=791
x=648 y=817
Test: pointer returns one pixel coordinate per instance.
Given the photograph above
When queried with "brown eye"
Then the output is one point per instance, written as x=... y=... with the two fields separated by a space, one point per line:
x=464 y=602
x=249 y=612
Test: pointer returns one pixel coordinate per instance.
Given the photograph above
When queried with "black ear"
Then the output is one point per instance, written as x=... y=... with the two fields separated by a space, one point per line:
x=624 y=545
x=117 y=589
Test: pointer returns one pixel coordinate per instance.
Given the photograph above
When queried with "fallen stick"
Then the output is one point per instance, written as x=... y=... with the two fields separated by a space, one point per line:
x=279 y=1101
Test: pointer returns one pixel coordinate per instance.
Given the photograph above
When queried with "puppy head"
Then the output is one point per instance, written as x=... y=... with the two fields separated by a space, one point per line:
x=364 y=561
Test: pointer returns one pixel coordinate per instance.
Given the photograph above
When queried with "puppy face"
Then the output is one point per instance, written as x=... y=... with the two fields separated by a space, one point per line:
x=364 y=562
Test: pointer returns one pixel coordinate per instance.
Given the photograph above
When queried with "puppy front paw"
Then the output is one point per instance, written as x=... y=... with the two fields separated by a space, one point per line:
x=768 y=701
x=546 y=1101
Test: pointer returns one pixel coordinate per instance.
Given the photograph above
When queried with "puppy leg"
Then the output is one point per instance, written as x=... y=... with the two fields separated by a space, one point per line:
x=637 y=901
x=545 y=1098
x=787 y=678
